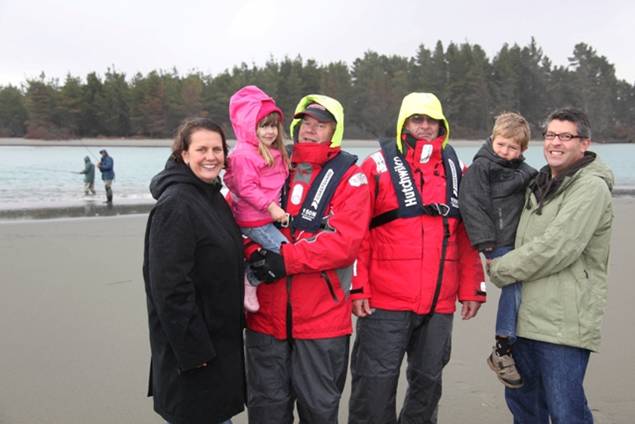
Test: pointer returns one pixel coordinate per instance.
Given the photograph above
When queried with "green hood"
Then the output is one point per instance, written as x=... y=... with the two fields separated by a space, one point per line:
x=601 y=170
x=422 y=104
x=331 y=105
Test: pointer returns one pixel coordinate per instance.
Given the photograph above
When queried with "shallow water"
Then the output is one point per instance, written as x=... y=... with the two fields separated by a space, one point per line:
x=42 y=176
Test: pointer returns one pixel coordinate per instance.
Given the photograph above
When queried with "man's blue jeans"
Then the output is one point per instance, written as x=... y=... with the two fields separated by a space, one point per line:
x=508 y=302
x=553 y=376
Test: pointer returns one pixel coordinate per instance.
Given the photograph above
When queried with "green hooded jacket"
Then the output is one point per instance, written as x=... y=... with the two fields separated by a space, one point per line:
x=561 y=257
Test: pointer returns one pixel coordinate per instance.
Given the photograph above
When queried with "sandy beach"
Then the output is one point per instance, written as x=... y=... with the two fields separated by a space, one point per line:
x=75 y=344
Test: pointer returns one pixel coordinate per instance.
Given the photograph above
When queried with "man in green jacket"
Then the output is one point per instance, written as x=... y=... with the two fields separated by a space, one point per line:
x=561 y=256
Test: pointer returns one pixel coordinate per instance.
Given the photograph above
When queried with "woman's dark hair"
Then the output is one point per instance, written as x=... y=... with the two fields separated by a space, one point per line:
x=184 y=133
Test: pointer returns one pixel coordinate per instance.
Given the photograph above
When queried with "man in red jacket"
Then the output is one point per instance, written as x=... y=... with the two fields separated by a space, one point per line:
x=413 y=265
x=298 y=342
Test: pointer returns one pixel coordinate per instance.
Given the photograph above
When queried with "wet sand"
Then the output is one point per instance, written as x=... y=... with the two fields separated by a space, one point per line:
x=75 y=345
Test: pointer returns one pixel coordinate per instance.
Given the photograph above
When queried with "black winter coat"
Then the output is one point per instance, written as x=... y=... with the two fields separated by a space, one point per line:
x=193 y=271
x=491 y=197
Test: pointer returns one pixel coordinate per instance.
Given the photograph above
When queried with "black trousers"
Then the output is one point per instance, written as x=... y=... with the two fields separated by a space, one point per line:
x=280 y=374
x=381 y=341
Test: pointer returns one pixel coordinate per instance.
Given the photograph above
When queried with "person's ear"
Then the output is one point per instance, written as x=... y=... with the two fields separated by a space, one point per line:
x=185 y=156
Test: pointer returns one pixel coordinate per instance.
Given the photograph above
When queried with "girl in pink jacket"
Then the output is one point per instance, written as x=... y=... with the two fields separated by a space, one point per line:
x=257 y=169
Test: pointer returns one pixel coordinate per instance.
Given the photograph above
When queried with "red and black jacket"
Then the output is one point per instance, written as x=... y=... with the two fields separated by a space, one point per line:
x=313 y=301
x=422 y=263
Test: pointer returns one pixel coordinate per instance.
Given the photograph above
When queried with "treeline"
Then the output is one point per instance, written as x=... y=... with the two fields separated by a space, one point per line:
x=472 y=88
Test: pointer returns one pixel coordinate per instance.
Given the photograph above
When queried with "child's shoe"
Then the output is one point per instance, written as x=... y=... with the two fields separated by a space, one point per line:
x=505 y=369
x=250 y=300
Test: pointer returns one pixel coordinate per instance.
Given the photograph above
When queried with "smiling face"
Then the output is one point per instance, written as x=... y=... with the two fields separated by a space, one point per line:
x=205 y=156
x=506 y=148
x=267 y=133
x=314 y=131
x=559 y=154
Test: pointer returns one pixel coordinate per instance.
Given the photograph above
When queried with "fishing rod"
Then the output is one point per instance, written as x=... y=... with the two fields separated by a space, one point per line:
x=53 y=170
x=88 y=150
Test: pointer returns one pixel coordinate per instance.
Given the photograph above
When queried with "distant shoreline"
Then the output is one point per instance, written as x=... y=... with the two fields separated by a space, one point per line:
x=98 y=209
x=164 y=142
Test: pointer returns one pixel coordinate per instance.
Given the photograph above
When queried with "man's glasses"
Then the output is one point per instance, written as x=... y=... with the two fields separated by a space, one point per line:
x=565 y=136
x=420 y=119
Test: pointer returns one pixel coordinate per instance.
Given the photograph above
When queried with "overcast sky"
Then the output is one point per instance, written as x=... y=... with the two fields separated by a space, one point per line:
x=81 y=36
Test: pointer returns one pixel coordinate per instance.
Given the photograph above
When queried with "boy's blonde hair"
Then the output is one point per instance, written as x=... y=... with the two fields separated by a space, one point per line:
x=513 y=126
x=273 y=118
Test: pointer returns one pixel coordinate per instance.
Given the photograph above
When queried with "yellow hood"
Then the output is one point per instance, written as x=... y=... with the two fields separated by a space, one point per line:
x=422 y=104
x=331 y=105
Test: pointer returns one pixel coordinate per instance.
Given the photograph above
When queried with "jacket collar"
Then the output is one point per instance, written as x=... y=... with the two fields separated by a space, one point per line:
x=314 y=153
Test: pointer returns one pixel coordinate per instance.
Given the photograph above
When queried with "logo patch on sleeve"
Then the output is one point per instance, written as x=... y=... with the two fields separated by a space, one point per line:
x=378 y=157
x=358 y=179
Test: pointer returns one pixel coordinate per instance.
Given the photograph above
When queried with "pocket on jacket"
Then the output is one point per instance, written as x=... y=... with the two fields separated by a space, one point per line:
x=332 y=282
x=194 y=385
x=452 y=251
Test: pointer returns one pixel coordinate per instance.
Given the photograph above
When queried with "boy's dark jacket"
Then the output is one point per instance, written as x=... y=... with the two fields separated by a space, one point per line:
x=492 y=196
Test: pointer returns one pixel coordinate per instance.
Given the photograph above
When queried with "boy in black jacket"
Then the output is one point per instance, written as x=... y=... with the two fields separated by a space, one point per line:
x=491 y=198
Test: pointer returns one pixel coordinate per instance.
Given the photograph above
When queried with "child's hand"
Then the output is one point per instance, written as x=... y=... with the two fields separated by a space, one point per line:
x=277 y=213
x=488 y=264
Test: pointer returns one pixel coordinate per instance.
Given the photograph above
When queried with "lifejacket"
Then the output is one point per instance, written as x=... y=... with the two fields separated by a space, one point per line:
x=312 y=301
x=408 y=197
x=410 y=203
x=310 y=217
x=320 y=193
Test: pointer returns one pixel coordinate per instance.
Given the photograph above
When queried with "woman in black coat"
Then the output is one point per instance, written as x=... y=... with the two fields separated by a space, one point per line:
x=193 y=271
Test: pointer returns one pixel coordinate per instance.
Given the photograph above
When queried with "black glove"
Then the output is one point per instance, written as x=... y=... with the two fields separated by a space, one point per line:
x=268 y=266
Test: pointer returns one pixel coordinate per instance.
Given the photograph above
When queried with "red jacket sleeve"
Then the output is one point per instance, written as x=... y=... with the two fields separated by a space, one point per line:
x=471 y=278
x=361 y=286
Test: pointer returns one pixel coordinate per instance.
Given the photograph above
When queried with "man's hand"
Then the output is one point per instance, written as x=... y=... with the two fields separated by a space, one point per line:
x=469 y=309
x=361 y=308
x=268 y=266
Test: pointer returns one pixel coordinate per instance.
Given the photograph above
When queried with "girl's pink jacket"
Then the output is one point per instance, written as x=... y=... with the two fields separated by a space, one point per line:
x=252 y=183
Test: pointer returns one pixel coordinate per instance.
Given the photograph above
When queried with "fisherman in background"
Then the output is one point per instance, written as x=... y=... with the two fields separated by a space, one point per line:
x=89 y=177
x=106 y=167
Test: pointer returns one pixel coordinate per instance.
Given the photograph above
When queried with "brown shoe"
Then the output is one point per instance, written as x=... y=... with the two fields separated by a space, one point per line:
x=505 y=369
